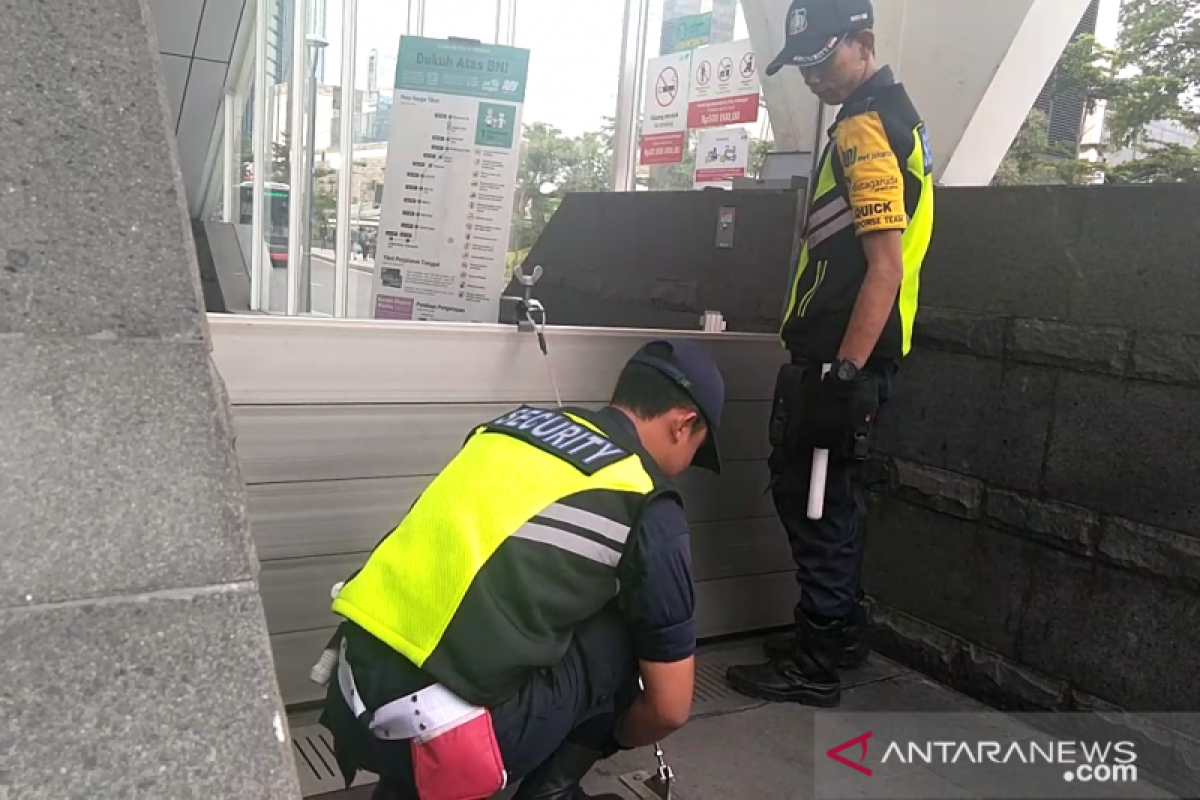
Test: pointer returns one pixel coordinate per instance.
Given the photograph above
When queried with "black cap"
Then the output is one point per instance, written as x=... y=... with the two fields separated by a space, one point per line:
x=692 y=369
x=815 y=28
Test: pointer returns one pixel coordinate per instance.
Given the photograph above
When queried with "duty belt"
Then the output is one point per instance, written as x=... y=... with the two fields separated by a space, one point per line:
x=413 y=716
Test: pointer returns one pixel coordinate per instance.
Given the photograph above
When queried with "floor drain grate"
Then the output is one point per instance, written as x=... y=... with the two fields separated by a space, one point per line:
x=312 y=748
x=712 y=696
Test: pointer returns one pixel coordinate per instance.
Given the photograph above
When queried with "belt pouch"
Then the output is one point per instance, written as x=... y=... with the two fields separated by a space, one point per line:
x=459 y=761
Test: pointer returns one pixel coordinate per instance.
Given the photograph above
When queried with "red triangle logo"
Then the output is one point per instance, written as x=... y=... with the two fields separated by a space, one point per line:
x=861 y=741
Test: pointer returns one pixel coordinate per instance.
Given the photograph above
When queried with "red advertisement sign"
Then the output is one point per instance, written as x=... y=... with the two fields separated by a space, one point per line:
x=719 y=112
x=663 y=148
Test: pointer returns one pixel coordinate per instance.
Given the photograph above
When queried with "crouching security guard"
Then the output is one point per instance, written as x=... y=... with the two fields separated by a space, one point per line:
x=504 y=629
x=852 y=302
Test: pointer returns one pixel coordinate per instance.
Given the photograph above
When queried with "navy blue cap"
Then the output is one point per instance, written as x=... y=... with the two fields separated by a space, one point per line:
x=692 y=369
x=815 y=28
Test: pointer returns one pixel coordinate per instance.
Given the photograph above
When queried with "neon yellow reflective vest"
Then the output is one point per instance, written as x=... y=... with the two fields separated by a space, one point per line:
x=876 y=174
x=510 y=548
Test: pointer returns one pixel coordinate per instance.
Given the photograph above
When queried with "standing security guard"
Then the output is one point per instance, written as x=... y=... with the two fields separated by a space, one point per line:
x=852 y=303
x=500 y=631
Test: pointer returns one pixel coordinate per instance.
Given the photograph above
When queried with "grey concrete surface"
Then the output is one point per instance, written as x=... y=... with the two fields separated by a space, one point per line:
x=770 y=751
x=135 y=655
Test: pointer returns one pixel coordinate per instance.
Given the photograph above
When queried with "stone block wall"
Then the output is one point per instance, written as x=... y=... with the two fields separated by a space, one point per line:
x=1036 y=539
x=135 y=656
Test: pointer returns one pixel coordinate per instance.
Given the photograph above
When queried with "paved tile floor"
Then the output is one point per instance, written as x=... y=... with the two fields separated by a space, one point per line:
x=736 y=748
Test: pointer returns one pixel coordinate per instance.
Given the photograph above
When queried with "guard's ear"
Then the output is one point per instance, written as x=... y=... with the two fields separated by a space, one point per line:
x=866 y=39
x=683 y=423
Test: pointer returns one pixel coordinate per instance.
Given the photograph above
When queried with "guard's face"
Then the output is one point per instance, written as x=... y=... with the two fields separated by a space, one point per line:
x=836 y=78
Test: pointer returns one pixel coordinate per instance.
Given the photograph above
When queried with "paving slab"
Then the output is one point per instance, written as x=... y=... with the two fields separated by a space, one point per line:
x=737 y=747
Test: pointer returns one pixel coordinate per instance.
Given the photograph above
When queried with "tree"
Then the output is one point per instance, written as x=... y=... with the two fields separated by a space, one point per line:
x=546 y=158
x=1033 y=160
x=591 y=169
x=281 y=158
x=553 y=164
x=1152 y=75
x=759 y=148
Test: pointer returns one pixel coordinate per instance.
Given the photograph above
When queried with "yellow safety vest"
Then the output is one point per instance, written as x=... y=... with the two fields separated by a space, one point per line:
x=510 y=548
x=876 y=174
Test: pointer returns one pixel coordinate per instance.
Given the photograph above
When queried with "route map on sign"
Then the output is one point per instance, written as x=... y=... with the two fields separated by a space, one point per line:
x=667 y=87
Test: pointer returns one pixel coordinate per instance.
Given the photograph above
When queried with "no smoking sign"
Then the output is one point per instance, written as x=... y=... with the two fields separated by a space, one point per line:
x=666 y=88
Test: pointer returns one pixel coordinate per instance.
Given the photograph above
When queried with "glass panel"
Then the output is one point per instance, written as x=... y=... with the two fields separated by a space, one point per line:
x=277 y=158
x=568 y=140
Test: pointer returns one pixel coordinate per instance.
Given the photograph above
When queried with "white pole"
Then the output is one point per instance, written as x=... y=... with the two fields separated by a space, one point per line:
x=341 y=269
x=259 y=288
x=820 y=471
x=297 y=181
x=629 y=98
x=229 y=159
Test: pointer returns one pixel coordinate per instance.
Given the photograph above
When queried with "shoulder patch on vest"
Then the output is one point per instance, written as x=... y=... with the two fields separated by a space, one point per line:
x=559 y=435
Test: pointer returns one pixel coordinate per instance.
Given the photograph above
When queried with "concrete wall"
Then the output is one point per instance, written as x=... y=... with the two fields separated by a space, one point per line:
x=135 y=656
x=1037 y=540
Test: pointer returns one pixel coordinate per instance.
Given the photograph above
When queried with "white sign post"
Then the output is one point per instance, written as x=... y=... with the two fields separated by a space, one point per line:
x=451 y=173
x=725 y=86
x=721 y=156
x=665 y=112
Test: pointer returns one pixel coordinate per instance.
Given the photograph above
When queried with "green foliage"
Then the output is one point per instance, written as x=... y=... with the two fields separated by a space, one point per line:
x=1153 y=74
x=758 y=156
x=551 y=165
x=1032 y=160
x=281 y=158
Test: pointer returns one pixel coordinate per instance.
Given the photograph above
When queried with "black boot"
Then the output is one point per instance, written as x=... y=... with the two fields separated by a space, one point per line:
x=807 y=676
x=854 y=645
x=560 y=776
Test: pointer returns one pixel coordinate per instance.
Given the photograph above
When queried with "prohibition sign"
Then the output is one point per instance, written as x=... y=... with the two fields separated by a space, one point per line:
x=703 y=73
x=725 y=70
x=747 y=65
x=666 y=87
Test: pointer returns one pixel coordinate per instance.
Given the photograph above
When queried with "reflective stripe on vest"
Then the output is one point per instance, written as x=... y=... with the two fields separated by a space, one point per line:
x=605 y=549
x=500 y=486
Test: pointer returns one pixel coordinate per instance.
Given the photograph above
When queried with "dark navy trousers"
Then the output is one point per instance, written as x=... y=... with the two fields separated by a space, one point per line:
x=828 y=552
x=579 y=699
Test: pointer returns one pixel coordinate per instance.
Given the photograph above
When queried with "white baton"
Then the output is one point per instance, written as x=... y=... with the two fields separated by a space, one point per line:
x=820 y=470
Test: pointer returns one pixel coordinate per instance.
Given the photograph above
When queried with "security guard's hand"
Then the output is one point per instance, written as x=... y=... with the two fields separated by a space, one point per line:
x=843 y=402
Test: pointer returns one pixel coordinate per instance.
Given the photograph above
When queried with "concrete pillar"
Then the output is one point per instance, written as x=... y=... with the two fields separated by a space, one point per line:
x=973 y=67
x=135 y=661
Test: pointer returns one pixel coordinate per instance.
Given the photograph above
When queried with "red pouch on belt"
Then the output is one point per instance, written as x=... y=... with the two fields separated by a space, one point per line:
x=459 y=761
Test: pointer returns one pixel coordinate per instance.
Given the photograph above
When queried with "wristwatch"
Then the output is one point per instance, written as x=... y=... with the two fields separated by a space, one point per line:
x=845 y=371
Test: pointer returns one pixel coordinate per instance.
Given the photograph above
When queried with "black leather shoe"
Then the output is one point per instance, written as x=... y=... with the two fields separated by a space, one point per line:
x=788 y=680
x=853 y=647
x=560 y=777
x=808 y=675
